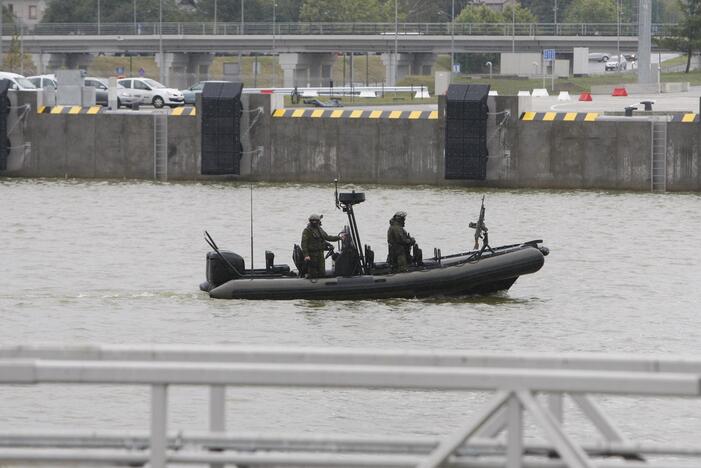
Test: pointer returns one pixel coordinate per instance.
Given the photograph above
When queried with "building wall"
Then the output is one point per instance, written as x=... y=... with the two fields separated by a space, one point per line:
x=29 y=12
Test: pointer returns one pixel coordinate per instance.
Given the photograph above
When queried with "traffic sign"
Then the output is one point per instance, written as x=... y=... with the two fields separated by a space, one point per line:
x=549 y=54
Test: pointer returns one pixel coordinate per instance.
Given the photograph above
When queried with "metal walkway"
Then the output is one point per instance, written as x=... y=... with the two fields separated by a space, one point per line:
x=494 y=437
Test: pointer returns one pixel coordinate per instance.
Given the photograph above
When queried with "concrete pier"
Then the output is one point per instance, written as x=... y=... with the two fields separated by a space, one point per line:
x=367 y=147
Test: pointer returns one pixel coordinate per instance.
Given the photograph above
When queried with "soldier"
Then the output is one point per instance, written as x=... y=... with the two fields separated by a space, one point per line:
x=398 y=241
x=313 y=242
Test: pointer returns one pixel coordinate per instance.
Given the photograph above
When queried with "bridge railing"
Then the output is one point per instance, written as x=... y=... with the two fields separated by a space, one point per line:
x=494 y=436
x=388 y=29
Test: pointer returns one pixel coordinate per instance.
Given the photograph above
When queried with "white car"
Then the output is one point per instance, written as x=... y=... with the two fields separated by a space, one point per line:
x=154 y=92
x=617 y=63
x=125 y=97
x=44 y=81
x=18 y=81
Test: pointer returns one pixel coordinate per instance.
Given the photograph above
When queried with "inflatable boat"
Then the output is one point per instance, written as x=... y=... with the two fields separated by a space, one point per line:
x=356 y=276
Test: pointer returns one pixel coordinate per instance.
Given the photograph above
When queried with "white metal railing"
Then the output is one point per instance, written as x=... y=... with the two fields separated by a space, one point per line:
x=517 y=380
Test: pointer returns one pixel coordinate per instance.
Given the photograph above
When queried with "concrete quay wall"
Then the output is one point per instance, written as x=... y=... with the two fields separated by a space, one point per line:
x=604 y=154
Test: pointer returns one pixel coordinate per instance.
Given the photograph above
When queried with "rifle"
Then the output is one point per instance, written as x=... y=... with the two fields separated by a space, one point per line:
x=481 y=231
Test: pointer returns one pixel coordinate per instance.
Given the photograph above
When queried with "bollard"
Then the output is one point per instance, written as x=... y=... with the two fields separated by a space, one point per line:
x=629 y=110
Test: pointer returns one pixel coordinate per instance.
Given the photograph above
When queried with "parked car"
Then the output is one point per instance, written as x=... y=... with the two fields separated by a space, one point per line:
x=616 y=63
x=191 y=93
x=599 y=56
x=43 y=81
x=125 y=97
x=18 y=81
x=154 y=92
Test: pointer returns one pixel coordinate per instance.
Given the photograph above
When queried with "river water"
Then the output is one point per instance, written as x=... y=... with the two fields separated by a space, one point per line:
x=120 y=262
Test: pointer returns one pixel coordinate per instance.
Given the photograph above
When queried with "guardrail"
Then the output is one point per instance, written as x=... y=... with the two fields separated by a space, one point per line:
x=515 y=379
x=381 y=29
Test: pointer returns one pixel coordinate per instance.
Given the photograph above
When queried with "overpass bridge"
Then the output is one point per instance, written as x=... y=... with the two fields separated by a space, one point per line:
x=307 y=50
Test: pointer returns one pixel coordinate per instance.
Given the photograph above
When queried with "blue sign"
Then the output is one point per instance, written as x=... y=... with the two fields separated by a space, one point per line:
x=456 y=68
x=549 y=54
x=119 y=70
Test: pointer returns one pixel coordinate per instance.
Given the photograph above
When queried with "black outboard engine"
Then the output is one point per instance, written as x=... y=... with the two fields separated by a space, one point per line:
x=224 y=266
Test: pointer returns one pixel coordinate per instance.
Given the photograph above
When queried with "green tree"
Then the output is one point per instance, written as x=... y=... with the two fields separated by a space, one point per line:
x=479 y=14
x=112 y=11
x=346 y=11
x=520 y=15
x=591 y=11
x=686 y=36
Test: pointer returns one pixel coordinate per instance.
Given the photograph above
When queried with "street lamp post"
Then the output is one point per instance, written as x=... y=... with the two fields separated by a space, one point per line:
x=162 y=73
x=452 y=39
x=1 y=54
x=274 y=60
x=489 y=64
x=134 y=16
x=513 y=26
x=618 y=34
x=98 y=17
x=555 y=15
x=396 y=43
x=215 y=17
x=242 y=3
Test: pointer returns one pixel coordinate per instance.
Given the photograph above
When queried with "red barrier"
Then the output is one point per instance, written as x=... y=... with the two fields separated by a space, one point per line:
x=266 y=91
x=619 y=92
x=585 y=96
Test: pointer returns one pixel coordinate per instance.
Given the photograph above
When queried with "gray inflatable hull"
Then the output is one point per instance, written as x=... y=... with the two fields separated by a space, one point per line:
x=483 y=276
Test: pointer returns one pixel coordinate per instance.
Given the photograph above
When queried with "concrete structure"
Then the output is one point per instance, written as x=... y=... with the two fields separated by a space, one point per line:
x=407 y=64
x=28 y=12
x=306 y=69
x=184 y=69
x=48 y=63
x=609 y=153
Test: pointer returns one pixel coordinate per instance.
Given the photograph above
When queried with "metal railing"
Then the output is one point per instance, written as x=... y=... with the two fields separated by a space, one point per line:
x=381 y=29
x=517 y=380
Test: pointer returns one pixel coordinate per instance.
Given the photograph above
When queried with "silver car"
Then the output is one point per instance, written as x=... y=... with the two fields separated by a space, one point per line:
x=125 y=97
x=599 y=56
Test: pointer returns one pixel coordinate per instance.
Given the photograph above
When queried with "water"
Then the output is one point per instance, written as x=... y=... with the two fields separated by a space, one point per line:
x=120 y=262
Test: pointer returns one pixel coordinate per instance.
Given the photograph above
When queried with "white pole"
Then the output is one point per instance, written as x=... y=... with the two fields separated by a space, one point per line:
x=513 y=26
x=215 y=16
x=396 y=42
x=274 y=59
x=242 y=3
x=162 y=74
x=618 y=34
x=452 y=39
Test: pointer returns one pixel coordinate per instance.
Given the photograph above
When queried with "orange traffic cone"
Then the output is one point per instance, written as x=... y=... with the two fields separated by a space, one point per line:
x=619 y=92
x=585 y=96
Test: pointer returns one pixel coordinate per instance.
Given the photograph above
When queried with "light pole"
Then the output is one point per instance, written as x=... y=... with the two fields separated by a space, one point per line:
x=162 y=73
x=396 y=43
x=489 y=64
x=452 y=40
x=134 y=16
x=215 y=17
x=274 y=60
x=555 y=15
x=618 y=34
x=242 y=3
x=98 y=17
x=513 y=26
x=1 y=54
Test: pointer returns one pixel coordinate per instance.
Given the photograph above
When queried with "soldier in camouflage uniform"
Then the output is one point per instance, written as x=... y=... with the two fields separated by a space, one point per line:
x=398 y=241
x=313 y=241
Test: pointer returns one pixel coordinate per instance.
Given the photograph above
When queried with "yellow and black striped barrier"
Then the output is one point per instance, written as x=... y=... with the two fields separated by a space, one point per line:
x=686 y=118
x=560 y=116
x=355 y=114
x=78 y=110
x=73 y=110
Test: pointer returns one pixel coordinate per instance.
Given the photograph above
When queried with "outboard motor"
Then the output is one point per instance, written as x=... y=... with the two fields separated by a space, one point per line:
x=224 y=266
